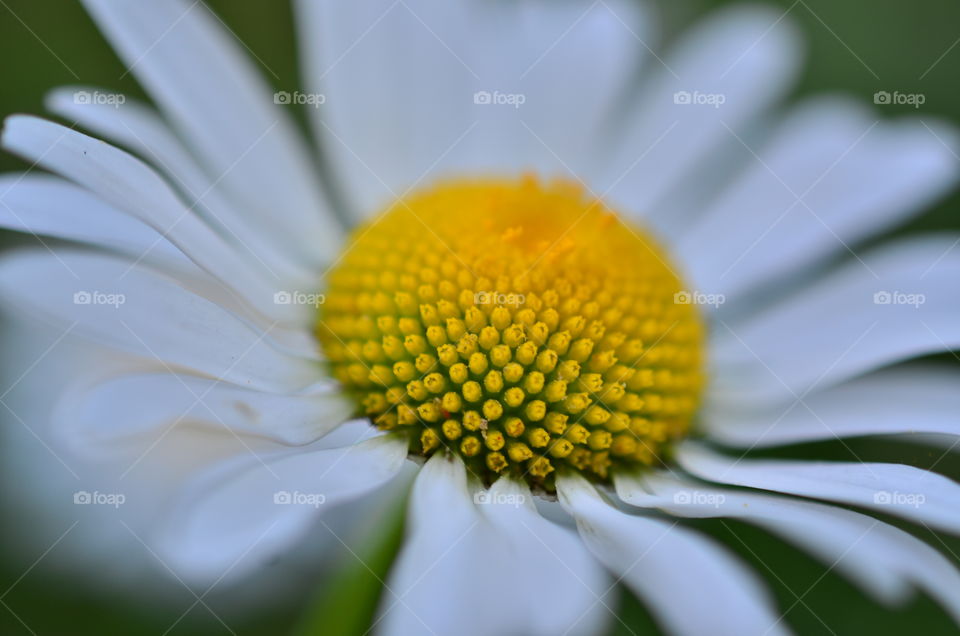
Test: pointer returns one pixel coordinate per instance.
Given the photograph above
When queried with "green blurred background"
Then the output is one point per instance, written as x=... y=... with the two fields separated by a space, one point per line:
x=853 y=46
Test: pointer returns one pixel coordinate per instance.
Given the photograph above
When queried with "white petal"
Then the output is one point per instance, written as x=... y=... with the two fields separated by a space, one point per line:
x=140 y=312
x=748 y=56
x=242 y=512
x=898 y=400
x=906 y=491
x=201 y=80
x=49 y=206
x=98 y=417
x=130 y=185
x=400 y=81
x=452 y=564
x=689 y=583
x=889 y=304
x=45 y=205
x=566 y=585
x=491 y=557
x=107 y=553
x=140 y=129
x=831 y=176
x=882 y=559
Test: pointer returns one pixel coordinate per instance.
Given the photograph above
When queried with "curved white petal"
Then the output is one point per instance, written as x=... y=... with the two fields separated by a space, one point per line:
x=96 y=418
x=915 y=494
x=565 y=584
x=105 y=553
x=882 y=559
x=137 y=127
x=897 y=400
x=830 y=176
x=46 y=205
x=488 y=556
x=405 y=85
x=130 y=185
x=689 y=583
x=193 y=69
x=243 y=511
x=746 y=56
x=891 y=303
x=135 y=310
x=451 y=561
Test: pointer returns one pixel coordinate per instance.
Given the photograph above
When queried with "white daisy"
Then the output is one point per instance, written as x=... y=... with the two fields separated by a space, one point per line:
x=517 y=273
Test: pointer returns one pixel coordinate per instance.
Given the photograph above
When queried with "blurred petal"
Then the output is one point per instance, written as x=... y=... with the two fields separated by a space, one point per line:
x=106 y=414
x=915 y=494
x=141 y=130
x=193 y=69
x=400 y=81
x=889 y=304
x=691 y=585
x=499 y=563
x=243 y=511
x=883 y=560
x=452 y=564
x=748 y=56
x=897 y=400
x=148 y=315
x=46 y=205
x=130 y=185
x=831 y=176
x=565 y=583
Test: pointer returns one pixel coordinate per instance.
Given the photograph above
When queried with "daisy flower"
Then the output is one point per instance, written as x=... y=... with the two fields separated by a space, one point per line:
x=569 y=306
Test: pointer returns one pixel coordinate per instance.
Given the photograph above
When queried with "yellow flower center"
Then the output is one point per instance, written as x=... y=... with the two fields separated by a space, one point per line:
x=519 y=324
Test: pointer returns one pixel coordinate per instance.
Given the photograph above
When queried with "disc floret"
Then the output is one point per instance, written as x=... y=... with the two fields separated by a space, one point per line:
x=519 y=324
